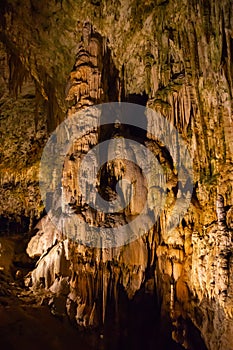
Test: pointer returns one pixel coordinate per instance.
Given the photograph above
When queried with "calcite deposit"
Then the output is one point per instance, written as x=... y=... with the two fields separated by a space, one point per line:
x=63 y=57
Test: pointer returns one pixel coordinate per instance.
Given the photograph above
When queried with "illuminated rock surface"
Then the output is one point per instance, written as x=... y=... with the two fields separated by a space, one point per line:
x=175 y=58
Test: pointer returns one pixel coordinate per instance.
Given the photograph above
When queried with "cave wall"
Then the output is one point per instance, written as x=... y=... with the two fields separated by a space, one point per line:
x=177 y=54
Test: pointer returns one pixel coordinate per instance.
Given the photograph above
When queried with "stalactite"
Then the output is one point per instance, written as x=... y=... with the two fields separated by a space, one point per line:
x=18 y=74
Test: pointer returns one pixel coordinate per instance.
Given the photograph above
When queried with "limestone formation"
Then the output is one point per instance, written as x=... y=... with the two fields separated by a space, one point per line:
x=175 y=57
